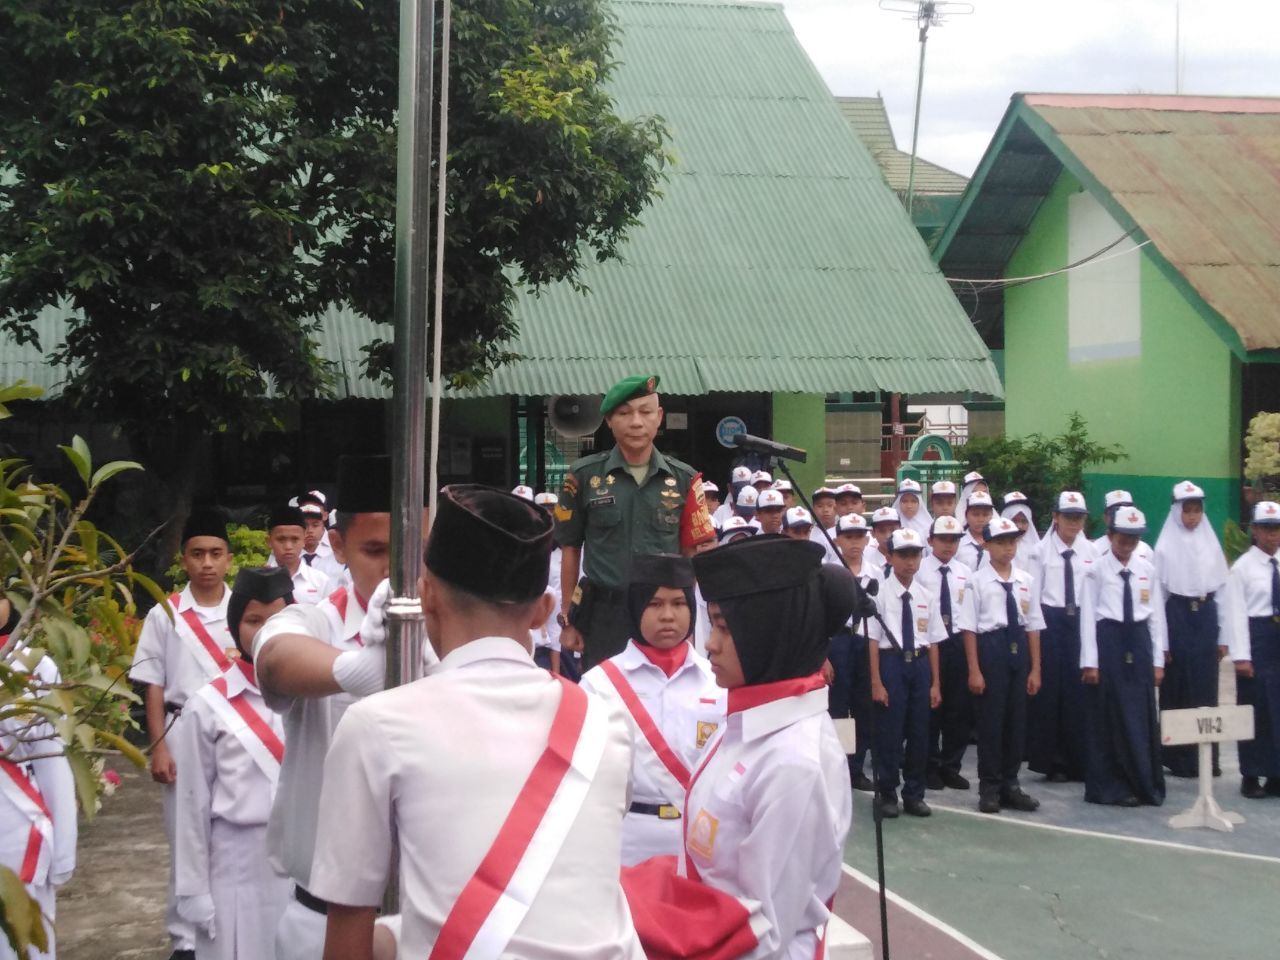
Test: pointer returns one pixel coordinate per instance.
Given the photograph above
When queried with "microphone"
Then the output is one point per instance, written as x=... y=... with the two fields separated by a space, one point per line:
x=770 y=448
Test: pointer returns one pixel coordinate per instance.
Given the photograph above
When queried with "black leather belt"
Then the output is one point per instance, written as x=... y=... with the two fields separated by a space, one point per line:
x=663 y=811
x=906 y=655
x=606 y=594
x=310 y=901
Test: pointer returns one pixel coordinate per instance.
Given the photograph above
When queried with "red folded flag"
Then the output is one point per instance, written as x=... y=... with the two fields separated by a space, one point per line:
x=682 y=919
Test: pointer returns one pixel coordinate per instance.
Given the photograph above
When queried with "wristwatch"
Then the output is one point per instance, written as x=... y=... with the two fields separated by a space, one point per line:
x=562 y=619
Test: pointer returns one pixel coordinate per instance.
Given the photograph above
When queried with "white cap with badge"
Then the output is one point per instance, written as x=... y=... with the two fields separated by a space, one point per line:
x=769 y=499
x=1266 y=513
x=709 y=487
x=1186 y=490
x=735 y=528
x=523 y=492
x=761 y=476
x=783 y=485
x=1118 y=498
x=905 y=539
x=885 y=515
x=1072 y=501
x=740 y=475
x=1015 y=497
x=848 y=490
x=1129 y=520
x=852 y=523
x=747 y=497
x=999 y=527
x=798 y=517
x=945 y=526
x=942 y=488
x=546 y=499
x=979 y=498
x=907 y=485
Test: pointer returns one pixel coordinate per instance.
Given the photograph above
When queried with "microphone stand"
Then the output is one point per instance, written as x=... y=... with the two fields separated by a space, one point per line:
x=867 y=616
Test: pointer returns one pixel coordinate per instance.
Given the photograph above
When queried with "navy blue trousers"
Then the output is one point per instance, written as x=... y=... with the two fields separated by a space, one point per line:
x=1124 y=728
x=850 y=692
x=1191 y=678
x=1260 y=757
x=1005 y=660
x=1055 y=715
x=902 y=728
x=951 y=724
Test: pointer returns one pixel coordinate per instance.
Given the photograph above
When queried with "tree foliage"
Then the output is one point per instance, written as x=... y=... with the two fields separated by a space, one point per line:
x=198 y=179
x=1262 y=448
x=1039 y=466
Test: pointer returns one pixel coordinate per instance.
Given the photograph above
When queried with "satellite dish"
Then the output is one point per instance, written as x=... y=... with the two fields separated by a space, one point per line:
x=574 y=416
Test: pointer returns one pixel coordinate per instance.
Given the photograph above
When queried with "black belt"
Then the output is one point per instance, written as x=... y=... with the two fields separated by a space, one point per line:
x=607 y=594
x=310 y=901
x=663 y=811
x=906 y=655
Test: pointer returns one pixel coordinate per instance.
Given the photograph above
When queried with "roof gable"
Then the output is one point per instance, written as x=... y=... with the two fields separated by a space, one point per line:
x=1197 y=176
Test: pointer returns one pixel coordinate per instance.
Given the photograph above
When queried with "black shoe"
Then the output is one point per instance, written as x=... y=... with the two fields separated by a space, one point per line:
x=1057 y=776
x=934 y=780
x=864 y=783
x=888 y=807
x=1015 y=799
x=183 y=955
x=1128 y=802
x=916 y=808
x=1251 y=788
x=952 y=779
x=1272 y=786
x=989 y=803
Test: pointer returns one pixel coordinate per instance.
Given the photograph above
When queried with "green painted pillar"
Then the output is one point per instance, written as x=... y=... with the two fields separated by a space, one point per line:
x=799 y=420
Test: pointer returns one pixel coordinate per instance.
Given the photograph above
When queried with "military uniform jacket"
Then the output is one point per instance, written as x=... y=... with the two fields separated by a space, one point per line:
x=602 y=509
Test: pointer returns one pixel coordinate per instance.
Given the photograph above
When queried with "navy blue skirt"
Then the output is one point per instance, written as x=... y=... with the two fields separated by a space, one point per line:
x=1123 y=724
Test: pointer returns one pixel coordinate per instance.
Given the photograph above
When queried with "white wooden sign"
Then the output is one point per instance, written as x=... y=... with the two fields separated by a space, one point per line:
x=1206 y=725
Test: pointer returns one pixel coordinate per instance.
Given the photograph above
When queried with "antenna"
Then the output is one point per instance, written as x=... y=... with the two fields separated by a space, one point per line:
x=926 y=14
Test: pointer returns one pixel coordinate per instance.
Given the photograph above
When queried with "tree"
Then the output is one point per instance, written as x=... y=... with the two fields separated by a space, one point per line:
x=73 y=587
x=199 y=179
x=1039 y=466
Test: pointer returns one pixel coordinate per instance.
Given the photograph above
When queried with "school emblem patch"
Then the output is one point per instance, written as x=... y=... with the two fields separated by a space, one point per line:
x=705 y=730
x=702 y=835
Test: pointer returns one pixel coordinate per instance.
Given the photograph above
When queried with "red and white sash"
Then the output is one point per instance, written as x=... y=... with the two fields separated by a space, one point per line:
x=203 y=646
x=25 y=795
x=226 y=695
x=496 y=899
x=657 y=742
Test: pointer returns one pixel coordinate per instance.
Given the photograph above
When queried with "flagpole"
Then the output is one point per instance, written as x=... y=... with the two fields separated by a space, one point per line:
x=442 y=211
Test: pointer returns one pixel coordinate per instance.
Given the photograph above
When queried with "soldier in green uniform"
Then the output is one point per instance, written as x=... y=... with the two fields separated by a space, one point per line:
x=618 y=503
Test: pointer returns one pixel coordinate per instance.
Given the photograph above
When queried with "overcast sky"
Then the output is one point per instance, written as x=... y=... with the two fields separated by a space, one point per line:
x=975 y=62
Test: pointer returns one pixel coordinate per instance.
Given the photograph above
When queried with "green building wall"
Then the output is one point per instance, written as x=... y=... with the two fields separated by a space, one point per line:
x=1175 y=409
x=799 y=420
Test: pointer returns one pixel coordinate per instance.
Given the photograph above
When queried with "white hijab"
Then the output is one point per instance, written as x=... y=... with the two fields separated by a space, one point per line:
x=1189 y=563
x=1029 y=542
x=921 y=523
x=962 y=501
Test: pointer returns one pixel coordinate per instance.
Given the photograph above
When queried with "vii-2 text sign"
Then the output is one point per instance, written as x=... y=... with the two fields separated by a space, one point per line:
x=1206 y=725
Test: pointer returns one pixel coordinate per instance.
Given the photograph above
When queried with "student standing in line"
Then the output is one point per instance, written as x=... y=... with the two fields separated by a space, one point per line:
x=849 y=499
x=974 y=482
x=1122 y=644
x=1017 y=507
x=824 y=516
x=904 y=678
x=1113 y=503
x=911 y=511
x=1253 y=639
x=883 y=522
x=1003 y=654
x=1056 y=744
x=951 y=722
x=1192 y=570
x=977 y=514
x=942 y=499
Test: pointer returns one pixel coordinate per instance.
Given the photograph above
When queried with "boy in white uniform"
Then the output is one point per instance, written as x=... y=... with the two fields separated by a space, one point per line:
x=1113 y=503
x=501 y=787
x=883 y=523
x=179 y=651
x=312 y=663
x=229 y=748
x=666 y=689
x=286 y=532
x=38 y=826
x=977 y=513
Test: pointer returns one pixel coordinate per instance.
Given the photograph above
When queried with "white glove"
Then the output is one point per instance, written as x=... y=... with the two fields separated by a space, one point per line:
x=373 y=631
x=361 y=672
x=198 y=911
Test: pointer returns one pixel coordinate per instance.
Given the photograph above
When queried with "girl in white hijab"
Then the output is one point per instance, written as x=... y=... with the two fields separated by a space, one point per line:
x=911 y=509
x=1192 y=570
x=1017 y=507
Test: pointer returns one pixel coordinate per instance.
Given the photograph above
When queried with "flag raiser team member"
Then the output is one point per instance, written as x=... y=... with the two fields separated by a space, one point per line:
x=666 y=689
x=631 y=499
x=769 y=808
x=502 y=787
x=228 y=748
x=180 y=649
x=312 y=663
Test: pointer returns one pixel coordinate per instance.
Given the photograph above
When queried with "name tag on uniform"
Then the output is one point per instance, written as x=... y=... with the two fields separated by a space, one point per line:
x=605 y=501
x=1026 y=606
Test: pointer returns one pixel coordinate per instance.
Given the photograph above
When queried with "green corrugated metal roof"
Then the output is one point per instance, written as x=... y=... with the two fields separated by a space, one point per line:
x=777 y=259
x=870 y=121
x=1195 y=175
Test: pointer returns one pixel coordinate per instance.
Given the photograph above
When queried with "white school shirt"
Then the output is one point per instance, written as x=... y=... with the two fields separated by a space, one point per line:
x=1102 y=546
x=767 y=817
x=872 y=557
x=1247 y=594
x=989 y=600
x=971 y=554
x=52 y=778
x=164 y=659
x=453 y=751
x=828 y=551
x=218 y=779
x=723 y=512
x=310 y=585
x=927 y=624
x=1104 y=600
x=308 y=725
x=959 y=578
x=1051 y=566
x=687 y=708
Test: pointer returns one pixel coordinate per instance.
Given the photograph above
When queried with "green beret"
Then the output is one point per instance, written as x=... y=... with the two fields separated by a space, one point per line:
x=638 y=386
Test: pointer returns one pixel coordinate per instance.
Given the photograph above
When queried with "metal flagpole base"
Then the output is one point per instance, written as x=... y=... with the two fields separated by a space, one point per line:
x=1205 y=812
